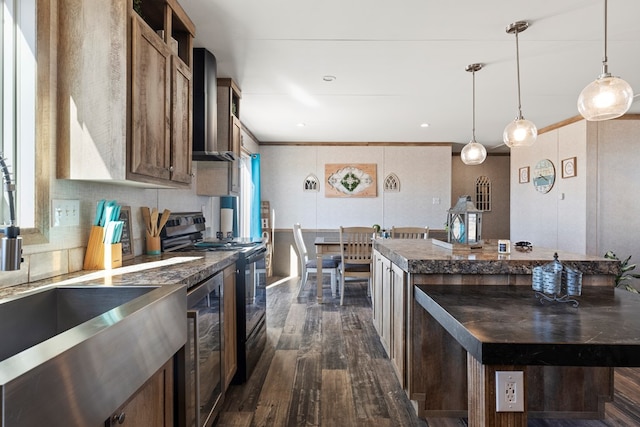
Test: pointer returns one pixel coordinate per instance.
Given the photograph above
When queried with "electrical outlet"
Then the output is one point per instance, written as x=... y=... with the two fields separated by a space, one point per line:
x=510 y=391
x=65 y=213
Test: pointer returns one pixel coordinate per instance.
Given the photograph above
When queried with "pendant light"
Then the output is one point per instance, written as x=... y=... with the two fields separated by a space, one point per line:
x=607 y=97
x=520 y=132
x=473 y=153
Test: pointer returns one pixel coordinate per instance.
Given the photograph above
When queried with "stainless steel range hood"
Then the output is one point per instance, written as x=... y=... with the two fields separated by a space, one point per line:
x=205 y=111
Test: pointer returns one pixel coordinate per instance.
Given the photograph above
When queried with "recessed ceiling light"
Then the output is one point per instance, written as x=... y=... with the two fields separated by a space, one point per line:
x=328 y=78
x=301 y=125
x=424 y=125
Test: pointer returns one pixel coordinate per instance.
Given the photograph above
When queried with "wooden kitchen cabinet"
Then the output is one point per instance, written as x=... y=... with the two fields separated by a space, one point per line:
x=398 y=322
x=230 y=345
x=389 y=310
x=124 y=102
x=151 y=406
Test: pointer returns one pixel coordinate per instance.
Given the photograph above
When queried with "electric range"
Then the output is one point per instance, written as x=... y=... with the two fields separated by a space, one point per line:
x=184 y=232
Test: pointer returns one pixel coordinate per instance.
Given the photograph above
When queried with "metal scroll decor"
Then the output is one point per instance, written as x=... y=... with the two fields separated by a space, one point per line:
x=350 y=180
x=556 y=282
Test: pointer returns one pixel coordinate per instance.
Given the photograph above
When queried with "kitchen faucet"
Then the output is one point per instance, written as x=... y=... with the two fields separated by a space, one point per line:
x=11 y=248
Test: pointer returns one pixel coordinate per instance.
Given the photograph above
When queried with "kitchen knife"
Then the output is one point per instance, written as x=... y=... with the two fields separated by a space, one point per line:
x=99 y=212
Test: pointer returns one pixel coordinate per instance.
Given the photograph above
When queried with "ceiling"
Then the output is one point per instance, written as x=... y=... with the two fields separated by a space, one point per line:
x=400 y=64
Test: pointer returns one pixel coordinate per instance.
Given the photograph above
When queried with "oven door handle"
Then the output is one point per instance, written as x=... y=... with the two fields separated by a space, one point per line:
x=257 y=255
x=193 y=314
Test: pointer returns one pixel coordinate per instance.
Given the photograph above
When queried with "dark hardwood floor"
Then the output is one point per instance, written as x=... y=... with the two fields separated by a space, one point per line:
x=324 y=366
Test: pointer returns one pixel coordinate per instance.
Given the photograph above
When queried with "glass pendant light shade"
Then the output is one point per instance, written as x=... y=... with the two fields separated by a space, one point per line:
x=520 y=133
x=604 y=99
x=473 y=153
x=607 y=97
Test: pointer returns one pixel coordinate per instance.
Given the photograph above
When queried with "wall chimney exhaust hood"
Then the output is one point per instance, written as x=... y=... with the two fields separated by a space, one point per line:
x=205 y=110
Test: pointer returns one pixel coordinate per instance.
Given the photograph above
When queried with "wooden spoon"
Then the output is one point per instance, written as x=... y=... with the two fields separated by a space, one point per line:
x=146 y=216
x=154 y=222
x=163 y=219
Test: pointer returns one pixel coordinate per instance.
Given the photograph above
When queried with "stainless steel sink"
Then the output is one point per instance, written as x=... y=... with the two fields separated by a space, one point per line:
x=72 y=355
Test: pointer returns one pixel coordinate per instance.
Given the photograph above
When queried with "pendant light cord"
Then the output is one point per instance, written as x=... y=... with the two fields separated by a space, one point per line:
x=518 y=72
x=605 y=60
x=473 y=130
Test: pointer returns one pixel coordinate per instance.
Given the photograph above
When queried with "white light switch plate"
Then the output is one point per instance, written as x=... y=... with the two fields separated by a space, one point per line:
x=65 y=213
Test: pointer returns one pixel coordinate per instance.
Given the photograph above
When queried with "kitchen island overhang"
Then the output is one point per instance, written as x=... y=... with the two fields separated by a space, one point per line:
x=507 y=325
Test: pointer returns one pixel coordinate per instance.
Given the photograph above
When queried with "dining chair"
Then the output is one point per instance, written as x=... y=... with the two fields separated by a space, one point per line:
x=311 y=265
x=355 y=244
x=409 y=232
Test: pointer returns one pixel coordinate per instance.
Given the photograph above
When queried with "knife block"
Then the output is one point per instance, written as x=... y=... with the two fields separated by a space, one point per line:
x=101 y=256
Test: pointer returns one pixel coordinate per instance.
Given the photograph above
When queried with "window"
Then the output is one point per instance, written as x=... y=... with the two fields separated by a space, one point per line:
x=483 y=193
x=17 y=110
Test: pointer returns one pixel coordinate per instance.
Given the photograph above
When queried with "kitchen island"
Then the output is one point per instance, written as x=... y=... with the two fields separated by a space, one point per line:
x=439 y=387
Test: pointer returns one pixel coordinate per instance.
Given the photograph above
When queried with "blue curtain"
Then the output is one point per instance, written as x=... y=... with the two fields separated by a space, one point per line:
x=256 y=224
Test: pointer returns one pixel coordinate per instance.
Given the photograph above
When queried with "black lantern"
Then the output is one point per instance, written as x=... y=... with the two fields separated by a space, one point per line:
x=464 y=222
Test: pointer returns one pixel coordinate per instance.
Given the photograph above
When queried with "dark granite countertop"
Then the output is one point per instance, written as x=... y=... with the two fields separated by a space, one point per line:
x=171 y=268
x=508 y=325
x=423 y=257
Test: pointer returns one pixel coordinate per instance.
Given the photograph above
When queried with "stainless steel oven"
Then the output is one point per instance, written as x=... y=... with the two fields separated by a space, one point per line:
x=203 y=352
x=183 y=232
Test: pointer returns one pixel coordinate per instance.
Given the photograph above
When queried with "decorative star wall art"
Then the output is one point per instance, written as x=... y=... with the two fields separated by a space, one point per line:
x=350 y=180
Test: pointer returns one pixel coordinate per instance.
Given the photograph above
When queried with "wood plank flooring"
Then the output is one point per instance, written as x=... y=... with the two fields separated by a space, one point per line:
x=324 y=366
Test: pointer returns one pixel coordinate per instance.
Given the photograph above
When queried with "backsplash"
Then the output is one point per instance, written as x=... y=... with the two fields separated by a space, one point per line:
x=64 y=253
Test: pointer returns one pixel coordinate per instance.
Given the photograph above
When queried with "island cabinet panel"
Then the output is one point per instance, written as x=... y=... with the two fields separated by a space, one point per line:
x=376 y=298
x=398 y=322
x=151 y=406
x=568 y=392
x=389 y=300
x=437 y=369
x=482 y=396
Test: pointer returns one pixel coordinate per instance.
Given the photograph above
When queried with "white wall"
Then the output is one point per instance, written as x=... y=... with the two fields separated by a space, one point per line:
x=617 y=219
x=597 y=210
x=556 y=219
x=424 y=173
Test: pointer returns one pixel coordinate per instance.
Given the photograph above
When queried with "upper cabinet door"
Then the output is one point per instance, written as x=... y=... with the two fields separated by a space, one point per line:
x=150 y=100
x=181 y=122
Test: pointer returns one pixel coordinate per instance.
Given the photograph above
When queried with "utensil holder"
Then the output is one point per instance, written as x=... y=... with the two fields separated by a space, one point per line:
x=152 y=244
x=101 y=256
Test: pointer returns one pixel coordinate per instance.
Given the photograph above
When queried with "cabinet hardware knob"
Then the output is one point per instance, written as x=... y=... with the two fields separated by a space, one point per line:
x=170 y=168
x=119 y=418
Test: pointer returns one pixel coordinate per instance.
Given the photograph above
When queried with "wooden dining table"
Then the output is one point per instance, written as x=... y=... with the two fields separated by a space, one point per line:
x=325 y=246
